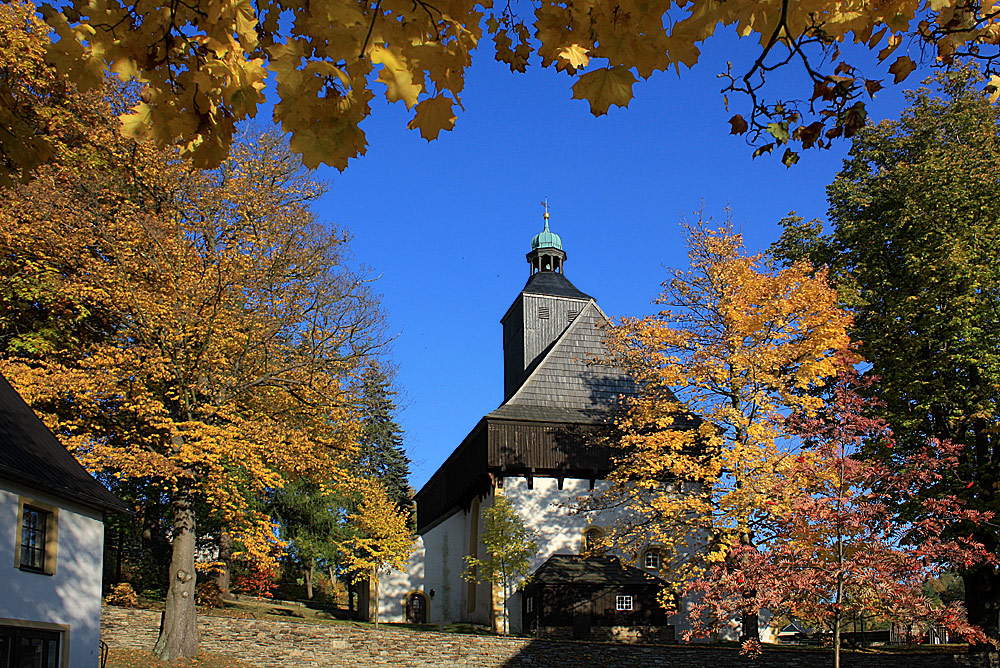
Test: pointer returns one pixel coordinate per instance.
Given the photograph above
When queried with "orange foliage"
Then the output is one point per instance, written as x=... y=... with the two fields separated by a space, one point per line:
x=736 y=347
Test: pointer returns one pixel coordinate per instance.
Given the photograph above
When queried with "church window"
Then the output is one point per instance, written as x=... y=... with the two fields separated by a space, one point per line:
x=651 y=559
x=593 y=541
x=543 y=312
x=623 y=603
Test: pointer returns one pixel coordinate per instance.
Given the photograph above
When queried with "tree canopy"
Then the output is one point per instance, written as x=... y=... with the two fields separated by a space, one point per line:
x=736 y=347
x=195 y=331
x=204 y=66
x=913 y=246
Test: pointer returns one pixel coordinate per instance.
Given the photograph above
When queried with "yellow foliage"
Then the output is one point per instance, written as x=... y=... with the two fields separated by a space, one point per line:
x=737 y=348
x=203 y=64
x=229 y=326
x=382 y=540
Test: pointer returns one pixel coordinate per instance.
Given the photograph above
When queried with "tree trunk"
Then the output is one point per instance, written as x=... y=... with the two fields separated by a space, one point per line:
x=225 y=558
x=178 y=630
x=982 y=600
x=374 y=600
x=309 y=579
x=749 y=621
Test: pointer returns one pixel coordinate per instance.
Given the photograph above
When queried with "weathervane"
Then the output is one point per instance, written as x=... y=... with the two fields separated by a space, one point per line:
x=545 y=203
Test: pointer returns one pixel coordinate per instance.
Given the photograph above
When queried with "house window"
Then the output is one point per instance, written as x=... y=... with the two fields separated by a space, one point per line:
x=23 y=647
x=36 y=540
x=623 y=603
x=33 y=525
x=651 y=560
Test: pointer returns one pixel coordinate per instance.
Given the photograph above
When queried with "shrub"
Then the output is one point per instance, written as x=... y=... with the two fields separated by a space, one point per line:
x=123 y=595
x=208 y=595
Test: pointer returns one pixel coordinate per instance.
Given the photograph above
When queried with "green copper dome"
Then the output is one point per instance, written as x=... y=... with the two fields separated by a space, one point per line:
x=546 y=238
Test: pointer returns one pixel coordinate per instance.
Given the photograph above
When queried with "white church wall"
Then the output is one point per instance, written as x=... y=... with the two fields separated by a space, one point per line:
x=395 y=585
x=445 y=547
x=547 y=512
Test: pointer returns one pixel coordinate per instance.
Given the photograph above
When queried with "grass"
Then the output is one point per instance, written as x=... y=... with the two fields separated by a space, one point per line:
x=134 y=658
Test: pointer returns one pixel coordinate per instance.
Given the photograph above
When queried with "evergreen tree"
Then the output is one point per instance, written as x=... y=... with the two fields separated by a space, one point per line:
x=381 y=455
x=309 y=520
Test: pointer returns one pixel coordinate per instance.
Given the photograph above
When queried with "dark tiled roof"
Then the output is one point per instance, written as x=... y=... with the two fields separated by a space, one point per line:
x=551 y=283
x=579 y=570
x=30 y=454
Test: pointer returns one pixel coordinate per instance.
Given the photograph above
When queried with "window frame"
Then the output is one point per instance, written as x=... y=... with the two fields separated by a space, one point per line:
x=654 y=554
x=50 y=536
x=16 y=630
x=624 y=603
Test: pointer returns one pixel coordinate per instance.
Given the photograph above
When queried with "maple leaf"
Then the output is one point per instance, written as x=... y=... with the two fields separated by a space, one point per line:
x=872 y=86
x=575 y=55
x=902 y=68
x=433 y=115
x=605 y=87
x=396 y=75
x=739 y=125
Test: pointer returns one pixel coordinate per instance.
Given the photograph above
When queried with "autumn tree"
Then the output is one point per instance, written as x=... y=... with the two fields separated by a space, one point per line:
x=736 y=347
x=203 y=66
x=913 y=244
x=237 y=323
x=382 y=539
x=510 y=546
x=836 y=550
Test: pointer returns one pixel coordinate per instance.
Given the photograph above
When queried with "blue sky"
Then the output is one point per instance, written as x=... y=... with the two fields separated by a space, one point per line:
x=445 y=224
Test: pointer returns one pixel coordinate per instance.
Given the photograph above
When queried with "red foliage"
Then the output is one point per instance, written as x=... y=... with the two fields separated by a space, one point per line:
x=838 y=544
x=257 y=581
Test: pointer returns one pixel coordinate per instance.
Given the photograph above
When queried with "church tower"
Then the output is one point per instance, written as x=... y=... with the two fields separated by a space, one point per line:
x=541 y=312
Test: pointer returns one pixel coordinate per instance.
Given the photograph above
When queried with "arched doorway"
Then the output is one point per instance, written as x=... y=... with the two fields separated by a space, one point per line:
x=416 y=608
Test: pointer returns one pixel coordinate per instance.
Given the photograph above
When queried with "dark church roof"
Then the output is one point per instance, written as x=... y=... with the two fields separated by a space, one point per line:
x=554 y=284
x=31 y=455
x=565 y=386
x=576 y=569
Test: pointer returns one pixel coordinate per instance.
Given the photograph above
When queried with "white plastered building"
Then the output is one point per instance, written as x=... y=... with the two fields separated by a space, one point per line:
x=51 y=545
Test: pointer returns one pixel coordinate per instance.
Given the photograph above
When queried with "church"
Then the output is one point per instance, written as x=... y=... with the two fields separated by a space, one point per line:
x=538 y=449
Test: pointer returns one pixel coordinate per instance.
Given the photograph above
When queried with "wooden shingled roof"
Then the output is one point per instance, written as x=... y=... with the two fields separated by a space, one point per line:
x=31 y=455
x=575 y=569
x=567 y=385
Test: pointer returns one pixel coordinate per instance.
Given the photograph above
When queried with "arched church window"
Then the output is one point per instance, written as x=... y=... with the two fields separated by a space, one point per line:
x=593 y=541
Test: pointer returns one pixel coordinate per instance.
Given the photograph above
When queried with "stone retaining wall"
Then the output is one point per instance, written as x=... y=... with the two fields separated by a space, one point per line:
x=280 y=644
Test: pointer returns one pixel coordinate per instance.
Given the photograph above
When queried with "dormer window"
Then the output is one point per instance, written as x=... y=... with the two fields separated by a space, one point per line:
x=651 y=560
